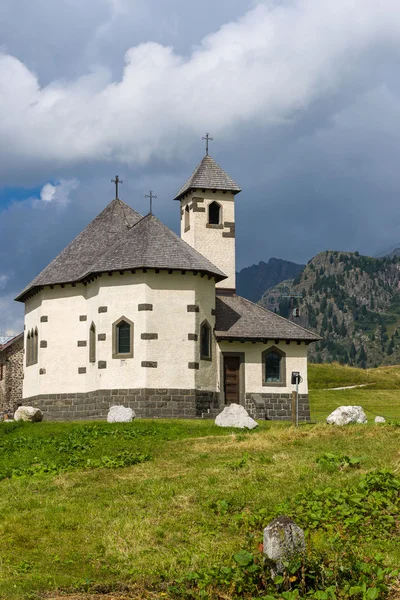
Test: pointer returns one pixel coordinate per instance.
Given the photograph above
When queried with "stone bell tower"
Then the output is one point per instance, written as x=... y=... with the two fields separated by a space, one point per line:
x=208 y=216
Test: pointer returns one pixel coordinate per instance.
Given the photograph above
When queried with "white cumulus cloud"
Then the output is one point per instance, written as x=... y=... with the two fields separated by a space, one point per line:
x=265 y=68
x=60 y=192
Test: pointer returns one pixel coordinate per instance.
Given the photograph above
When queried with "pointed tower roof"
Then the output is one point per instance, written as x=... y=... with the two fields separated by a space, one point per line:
x=209 y=175
x=151 y=244
x=75 y=261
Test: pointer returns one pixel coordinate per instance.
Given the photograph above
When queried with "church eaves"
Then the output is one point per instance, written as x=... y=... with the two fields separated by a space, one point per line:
x=240 y=319
x=75 y=261
x=209 y=175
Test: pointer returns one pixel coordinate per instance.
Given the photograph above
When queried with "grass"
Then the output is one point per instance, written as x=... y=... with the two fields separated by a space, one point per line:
x=325 y=376
x=150 y=523
x=97 y=506
x=381 y=396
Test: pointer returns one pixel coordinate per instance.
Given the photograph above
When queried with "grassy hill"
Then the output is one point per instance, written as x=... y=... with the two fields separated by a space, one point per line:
x=352 y=301
x=176 y=509
x=380 y=396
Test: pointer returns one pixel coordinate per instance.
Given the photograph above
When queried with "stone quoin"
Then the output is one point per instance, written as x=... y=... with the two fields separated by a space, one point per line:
x=133 y=314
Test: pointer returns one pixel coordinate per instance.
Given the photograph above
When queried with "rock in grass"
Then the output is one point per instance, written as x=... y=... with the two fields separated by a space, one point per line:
x=120 y=414
x=235 y=415
x=380 y=420
x=28 y=413
x=283 y=541
x=347 y=414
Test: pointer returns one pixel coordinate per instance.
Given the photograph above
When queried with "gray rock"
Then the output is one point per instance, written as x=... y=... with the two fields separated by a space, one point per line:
x=283 y=540
x=235 y=415
x=120 y=414
x=380 y=420
x=28 y=413
x=347 y=414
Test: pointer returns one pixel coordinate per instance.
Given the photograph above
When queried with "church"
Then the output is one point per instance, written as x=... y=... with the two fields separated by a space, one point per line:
x=130 y=313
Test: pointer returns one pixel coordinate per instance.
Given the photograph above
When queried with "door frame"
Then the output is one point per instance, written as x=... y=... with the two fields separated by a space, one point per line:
x=242 y=381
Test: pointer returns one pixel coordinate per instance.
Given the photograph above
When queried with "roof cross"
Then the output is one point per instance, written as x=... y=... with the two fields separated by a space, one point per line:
x=152 y=197
x=208 y=139
x=117 y=180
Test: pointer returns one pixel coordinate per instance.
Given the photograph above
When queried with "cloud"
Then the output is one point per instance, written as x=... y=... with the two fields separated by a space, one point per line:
x=60 y=192
x=301 y=97
x=267 y=67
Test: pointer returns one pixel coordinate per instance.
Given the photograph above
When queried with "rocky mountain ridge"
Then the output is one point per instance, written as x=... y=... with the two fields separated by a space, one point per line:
x=251 y=282
x=351 y=301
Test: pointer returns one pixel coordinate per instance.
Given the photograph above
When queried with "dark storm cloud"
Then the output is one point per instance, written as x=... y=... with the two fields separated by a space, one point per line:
x=303 y=102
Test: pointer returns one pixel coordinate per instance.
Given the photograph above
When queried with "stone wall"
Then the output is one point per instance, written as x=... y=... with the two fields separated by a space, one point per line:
x=276 y=407
x=147 y=403
x=12 y=359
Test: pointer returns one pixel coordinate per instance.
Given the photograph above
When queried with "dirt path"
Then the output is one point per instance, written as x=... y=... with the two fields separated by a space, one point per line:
x=347 y=387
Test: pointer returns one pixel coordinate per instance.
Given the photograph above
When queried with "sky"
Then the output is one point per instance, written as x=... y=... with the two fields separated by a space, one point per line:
x=302 y=98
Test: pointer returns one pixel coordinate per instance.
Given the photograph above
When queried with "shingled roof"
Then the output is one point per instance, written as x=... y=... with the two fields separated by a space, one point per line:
x=75 y=261
x=209 y=175
x=151 y=244
x=120 y=238
x=240 y=319
x=11 y=341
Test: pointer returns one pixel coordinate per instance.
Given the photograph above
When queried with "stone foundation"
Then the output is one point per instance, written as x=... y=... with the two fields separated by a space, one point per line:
x=147 y=403
x=276 y=407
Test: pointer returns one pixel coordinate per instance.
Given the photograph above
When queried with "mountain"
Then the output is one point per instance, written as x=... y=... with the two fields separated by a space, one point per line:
x=252 y=282
x=351 y=301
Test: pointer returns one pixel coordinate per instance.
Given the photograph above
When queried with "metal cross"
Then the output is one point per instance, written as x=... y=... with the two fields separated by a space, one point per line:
x=152 y=197
x=208 y=139
x=116 y=181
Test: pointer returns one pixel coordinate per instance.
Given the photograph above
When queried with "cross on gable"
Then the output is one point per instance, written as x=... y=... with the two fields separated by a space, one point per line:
x=152 y=197
x=208 y=139
x=116 y=181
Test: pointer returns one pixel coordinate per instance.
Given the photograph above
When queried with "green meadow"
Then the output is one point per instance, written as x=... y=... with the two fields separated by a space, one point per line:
x=176 y=509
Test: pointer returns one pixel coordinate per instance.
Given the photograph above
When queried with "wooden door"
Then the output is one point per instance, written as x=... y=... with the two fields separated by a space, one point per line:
x=231 y=379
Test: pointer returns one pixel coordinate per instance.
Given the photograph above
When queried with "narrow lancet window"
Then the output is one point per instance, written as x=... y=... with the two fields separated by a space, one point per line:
x=28 y=349
x=205 y=341
x=92 y=343
x=187 y=218
x=35 y=346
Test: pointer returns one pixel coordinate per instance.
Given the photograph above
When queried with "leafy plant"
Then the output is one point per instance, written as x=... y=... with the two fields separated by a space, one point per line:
x=338 y=461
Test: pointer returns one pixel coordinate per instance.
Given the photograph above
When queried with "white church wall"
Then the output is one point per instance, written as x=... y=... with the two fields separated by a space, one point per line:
x=61 y=329
x=296 y=360
x=103 y=302
x=206 y=375
x=210 y=241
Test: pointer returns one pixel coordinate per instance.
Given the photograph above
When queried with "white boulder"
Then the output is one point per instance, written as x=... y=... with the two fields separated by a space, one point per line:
x=283 y=540
x=380 y=420
x=235 y=415
x=28 y=413
x=120 y=414
x=347 y=414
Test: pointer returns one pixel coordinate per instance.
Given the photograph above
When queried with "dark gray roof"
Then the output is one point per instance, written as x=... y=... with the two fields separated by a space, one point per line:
x=75 y=261
x=151 y=244
x=238 y=318
x=120 y=238
x=209 y=175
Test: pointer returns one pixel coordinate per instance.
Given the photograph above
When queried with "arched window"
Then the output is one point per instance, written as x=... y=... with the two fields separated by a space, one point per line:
x=187 y=218
x=35 y=346
x=123 y=338
x=214 y=213
x=274 y=367
x=92 y=343
x=28 y=349
x=205 y=341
